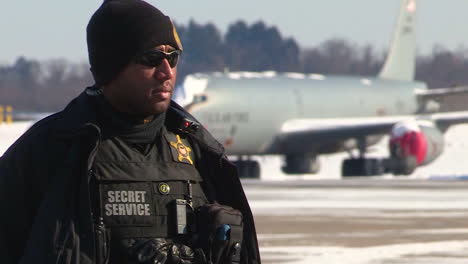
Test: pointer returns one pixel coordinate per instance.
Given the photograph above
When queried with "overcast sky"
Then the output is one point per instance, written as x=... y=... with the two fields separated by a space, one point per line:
x=56 y=28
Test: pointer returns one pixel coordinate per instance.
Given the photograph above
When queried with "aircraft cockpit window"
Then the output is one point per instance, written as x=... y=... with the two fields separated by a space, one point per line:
x=199 y=98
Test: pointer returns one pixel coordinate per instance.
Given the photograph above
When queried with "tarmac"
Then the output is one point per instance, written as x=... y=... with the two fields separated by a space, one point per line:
x=360 y=221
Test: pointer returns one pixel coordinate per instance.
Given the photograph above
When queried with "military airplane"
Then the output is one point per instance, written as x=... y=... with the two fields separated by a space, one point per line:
x=301 y=116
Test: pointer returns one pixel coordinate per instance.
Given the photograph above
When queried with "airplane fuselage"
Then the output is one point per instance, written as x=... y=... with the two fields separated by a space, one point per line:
x=245 y=111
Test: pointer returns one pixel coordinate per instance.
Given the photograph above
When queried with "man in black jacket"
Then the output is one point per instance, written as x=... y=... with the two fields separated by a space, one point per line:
x=123 y=174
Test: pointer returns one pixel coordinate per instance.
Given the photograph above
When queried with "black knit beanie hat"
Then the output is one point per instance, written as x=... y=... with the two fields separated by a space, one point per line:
x=119 y=30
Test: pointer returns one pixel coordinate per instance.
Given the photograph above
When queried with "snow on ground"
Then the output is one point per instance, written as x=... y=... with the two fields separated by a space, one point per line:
x=397 y=253
x=302 y=201
x=361 y=225
x=10 y=132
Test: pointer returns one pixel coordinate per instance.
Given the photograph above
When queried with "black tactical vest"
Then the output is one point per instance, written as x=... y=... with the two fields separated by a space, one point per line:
x=140 y=196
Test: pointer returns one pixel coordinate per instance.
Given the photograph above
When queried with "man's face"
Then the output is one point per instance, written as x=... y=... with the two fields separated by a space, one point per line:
x=143 y=90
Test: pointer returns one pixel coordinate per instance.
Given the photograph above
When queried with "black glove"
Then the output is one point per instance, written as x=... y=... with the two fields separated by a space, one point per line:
x=182 y=254
x=149 y=251
x=159 y=251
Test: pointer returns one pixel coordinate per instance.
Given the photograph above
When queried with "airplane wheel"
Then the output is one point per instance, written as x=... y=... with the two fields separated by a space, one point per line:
x=254 y=170
x=301 y=164
x=405 y=166
x=248 y=169
x=362 y=167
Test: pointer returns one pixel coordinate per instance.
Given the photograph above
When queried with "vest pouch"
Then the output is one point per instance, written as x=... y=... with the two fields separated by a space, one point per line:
x=127 y=204
x=220 y=232
x=168 y=210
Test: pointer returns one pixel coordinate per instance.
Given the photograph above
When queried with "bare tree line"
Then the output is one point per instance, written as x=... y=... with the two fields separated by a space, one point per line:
x=31 y=85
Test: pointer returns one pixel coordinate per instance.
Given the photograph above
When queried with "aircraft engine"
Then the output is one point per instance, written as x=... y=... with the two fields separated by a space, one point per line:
x=413 y=144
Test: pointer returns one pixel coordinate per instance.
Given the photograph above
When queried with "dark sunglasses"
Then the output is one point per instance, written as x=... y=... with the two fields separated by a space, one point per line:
x=153 y=58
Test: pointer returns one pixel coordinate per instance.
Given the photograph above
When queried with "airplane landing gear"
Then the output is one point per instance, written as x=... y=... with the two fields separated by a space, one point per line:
x=301 y=164
x=248 y=168
x=362 y=167
x=401 y=166
x=377 y=167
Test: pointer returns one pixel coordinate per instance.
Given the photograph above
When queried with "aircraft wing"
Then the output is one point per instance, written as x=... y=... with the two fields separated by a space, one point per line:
x=302 y=135
x=445 y=120
x=439 y=93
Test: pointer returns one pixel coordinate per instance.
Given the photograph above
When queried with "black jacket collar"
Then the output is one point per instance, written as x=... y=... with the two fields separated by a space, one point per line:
x=80 y=114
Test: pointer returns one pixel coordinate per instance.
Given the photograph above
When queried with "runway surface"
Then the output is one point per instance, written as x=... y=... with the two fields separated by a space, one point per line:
x=361 y=221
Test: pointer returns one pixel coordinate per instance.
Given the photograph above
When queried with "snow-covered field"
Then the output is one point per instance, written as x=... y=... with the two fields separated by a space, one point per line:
x=393 y=254
x=353 y=222
x=10 y=132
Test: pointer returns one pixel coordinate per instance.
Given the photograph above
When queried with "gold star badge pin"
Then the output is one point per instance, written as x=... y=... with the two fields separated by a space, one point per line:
x=182 y=150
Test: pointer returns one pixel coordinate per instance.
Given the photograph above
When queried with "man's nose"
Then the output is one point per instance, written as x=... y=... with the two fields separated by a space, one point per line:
x=164 y=71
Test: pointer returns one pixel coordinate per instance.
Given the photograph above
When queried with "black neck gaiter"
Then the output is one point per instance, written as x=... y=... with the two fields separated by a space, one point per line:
x=131 y=129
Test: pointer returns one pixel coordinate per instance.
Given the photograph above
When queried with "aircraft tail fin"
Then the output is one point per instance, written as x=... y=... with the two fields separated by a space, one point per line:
x=400 y=62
